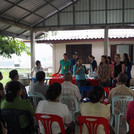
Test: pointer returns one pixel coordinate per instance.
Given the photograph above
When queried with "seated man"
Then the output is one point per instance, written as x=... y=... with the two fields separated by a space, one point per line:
x=39 y=87
x=121 y=89
x=69 y=88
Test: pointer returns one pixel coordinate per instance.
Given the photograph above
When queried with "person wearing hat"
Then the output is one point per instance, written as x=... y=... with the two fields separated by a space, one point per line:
x=73 y=60
x=64 y=64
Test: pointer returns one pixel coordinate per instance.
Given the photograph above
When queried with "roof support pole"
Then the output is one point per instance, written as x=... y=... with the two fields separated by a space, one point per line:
x=32 y=43
x=106 y=41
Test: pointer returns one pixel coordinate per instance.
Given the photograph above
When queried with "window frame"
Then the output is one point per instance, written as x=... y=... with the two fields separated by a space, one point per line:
x=113 y=47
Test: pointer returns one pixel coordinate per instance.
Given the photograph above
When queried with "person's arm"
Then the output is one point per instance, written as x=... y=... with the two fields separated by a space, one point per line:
x=2 y=93
x=122 y=68
x=95 y=65
x=77 y=71
x=128 y=112
x=99 y=77
x=59 y=70
x=2 y=90
x=110 y=97
x=69 y=68
x=129 y=68
x=32 y=72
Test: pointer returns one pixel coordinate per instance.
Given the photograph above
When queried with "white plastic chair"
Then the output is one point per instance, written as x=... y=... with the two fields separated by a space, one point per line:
x=36 y=97
x=72 y=103
x=121 y=102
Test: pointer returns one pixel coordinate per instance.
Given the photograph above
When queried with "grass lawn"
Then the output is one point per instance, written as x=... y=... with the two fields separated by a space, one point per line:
x=5 y=73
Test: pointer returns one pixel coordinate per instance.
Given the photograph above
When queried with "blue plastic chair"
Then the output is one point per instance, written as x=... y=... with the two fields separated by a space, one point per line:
x=72 y=103
x=12 y=120
x=121 y=102
x=85 y=91
x=35 y=97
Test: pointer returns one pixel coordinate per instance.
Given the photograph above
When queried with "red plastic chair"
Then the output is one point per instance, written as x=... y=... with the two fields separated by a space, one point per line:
x=107 y=90
x=92 y=123
x=47 y=120
x=131 y=126
x=56 y=75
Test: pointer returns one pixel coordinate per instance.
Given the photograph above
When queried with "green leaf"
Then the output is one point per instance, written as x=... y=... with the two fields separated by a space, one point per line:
x=9 y=46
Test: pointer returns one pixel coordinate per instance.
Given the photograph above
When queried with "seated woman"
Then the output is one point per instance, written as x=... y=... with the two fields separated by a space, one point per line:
x=95 y=108
x=53 y=106
x=13 y=101
x=14 y=76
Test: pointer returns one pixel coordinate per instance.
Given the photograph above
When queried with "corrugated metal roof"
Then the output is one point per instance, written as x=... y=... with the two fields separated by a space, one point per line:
x=44 y=15
x=89 y=34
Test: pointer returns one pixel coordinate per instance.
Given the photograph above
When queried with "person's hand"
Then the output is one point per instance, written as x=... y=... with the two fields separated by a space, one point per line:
x=80 y=68
x=88 y=69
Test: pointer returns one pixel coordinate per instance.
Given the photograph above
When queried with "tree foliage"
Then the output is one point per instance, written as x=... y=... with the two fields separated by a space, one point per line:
x=9 y=46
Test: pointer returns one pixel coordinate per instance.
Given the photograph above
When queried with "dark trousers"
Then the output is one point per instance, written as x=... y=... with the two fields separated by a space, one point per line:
x=70 y=129
x=81 y=83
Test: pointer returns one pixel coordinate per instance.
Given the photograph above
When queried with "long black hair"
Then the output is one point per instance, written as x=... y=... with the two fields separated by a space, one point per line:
x=105 y=57
x=53 y=91
x=12 y=89
x=109 y=58
x=96 y=94
x=126 y=59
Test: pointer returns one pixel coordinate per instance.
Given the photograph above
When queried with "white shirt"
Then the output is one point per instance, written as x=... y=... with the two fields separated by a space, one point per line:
x=56 y=108
x=69 y=88
x=35 y=70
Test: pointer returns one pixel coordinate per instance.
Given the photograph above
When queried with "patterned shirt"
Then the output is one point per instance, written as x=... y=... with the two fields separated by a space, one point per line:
x=69 y=88
x=104 y=72
x=120 y=90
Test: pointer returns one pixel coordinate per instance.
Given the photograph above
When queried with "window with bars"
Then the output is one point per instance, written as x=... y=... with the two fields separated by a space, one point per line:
x=121 y=49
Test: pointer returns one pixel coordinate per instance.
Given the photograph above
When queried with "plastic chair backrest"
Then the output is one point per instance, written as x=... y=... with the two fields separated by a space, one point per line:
x=131 y=126
x=36 y=97
x=92 y=123
x=11 y=117
x=107 y=90
x=85 y=90
x=47 y=120
x=121 y=102
x=71 y=101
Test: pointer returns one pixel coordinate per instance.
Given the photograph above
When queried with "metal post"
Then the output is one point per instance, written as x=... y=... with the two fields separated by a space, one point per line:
x=106 y=42
x=32 y=42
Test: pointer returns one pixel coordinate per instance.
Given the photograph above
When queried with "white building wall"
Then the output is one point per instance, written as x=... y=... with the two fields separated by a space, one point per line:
x=97 y=50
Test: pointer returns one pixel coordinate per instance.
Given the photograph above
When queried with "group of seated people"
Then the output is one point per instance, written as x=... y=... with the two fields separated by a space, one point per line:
x=14 y=96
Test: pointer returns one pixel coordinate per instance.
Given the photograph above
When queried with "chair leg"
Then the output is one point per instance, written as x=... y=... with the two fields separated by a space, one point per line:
x=117 y=120
x=112 y=120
